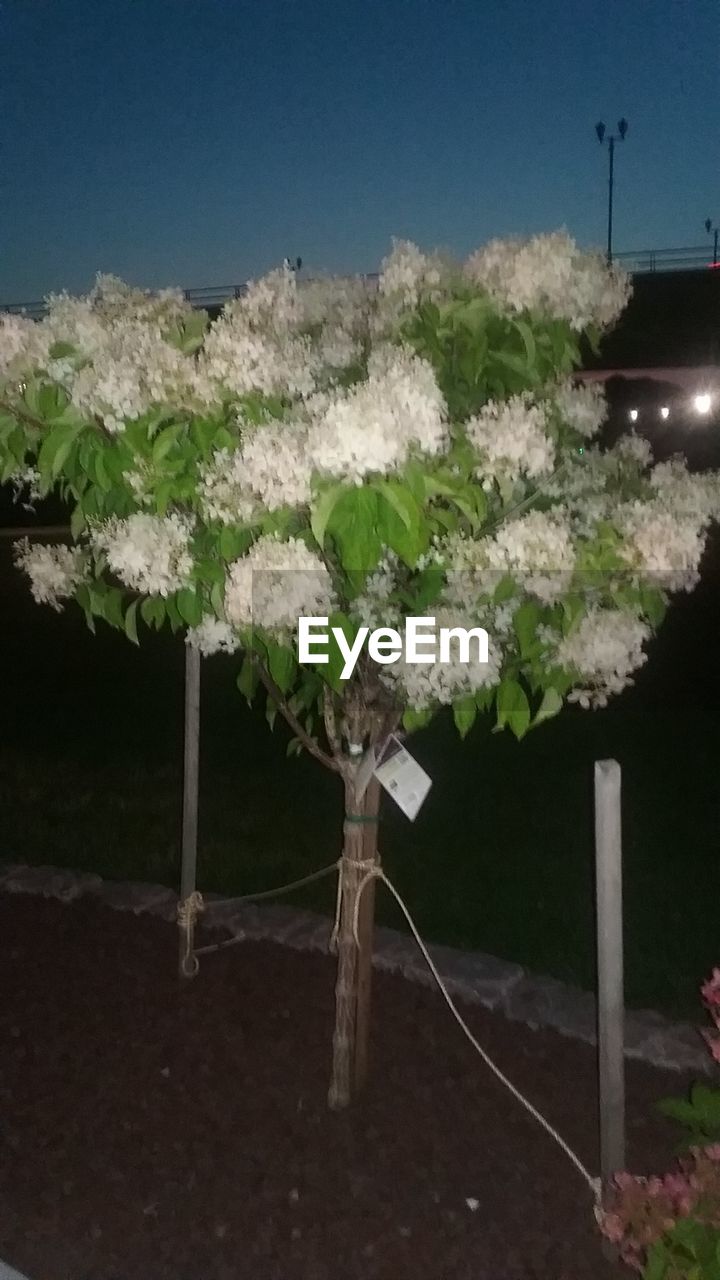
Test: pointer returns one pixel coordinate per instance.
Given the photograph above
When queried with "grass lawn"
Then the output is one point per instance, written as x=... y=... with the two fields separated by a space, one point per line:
x=500 y=857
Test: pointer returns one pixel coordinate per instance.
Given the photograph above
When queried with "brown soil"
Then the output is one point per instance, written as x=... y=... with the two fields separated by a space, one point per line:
x=150 y=1131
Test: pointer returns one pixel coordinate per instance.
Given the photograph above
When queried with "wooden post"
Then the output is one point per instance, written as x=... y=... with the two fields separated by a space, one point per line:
x=611 y=997
x=188 y=871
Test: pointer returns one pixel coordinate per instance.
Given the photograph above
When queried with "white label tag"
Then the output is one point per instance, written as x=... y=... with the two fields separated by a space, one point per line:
x=402 y=777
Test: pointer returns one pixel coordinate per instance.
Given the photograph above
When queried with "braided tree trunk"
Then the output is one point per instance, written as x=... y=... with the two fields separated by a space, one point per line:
x=354 y=973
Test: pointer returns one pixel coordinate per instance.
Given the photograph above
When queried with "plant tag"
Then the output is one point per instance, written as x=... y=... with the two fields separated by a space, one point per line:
x=402 y=777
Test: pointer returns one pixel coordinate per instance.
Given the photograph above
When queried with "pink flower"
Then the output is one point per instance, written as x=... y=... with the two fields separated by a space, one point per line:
x=612 y=1227
x=710 y=990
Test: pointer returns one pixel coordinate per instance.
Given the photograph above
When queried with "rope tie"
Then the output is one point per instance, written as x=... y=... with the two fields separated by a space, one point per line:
x=595 y=1184
x=187 y=913
x=189 y=909
x=371 y=867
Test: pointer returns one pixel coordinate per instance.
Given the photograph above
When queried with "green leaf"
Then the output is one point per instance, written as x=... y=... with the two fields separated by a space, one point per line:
x=113 y=608
x=282 y=664
x=247 y=680
x=209 y=571
x=52 y=400
x=354 y=527
x=164 y=441
x=525 y=623
x=330 y=671
x=504 y=590
x=189 y=606
x=322 y=509
x=464 y=714
x=77 y=522
x=513 y=708
x=399 y=522
x=528 y=338
x=550 y=706
x=55 y=449
x=61 y=350
x=131 y=623
x=234 y=543
x=414 y=719
x=401 y=500
x=147 y=611
x=203 y=432
x=654 y=605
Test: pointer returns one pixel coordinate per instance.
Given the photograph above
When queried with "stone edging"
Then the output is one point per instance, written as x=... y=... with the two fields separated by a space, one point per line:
x=500 y=986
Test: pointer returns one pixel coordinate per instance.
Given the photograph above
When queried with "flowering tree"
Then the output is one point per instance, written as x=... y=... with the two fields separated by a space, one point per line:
x=366 y=453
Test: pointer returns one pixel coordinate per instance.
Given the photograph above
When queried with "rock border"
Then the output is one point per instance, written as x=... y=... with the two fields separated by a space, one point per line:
x=498 y=985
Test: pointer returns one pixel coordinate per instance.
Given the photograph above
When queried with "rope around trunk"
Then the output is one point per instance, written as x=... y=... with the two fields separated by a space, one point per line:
x=201 y=905
x=189 y=909
x=376 y=873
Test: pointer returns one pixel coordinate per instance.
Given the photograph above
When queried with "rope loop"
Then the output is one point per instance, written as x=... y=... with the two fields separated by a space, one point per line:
x=188 y=911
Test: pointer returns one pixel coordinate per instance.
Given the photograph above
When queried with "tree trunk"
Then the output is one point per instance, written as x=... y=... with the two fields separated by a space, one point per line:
x=354 y=973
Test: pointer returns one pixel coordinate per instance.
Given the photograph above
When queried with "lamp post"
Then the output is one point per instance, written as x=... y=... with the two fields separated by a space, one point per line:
x=711 y=230
x=611 y=140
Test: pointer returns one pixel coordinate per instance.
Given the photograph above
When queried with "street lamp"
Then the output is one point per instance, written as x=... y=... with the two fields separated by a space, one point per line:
x=714 y=231
x=611 y=140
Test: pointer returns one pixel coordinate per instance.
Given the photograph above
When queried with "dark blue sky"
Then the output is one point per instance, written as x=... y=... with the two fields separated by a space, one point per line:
x=198 y=143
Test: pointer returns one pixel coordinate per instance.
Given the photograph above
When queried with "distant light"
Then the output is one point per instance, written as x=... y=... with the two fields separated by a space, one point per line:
x=702 y=403
x=633 y=415
x=664 y=412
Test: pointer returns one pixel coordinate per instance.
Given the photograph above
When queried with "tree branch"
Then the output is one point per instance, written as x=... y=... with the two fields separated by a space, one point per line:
x=15 y=412
x=330 y=719
x=309 y=744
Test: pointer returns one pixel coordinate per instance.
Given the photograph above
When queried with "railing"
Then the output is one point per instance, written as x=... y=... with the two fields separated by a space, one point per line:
x=643 y=260
x=637 y=262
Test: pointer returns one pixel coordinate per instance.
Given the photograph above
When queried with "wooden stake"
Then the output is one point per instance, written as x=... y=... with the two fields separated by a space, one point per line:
x=188 y=871
x=611 y=998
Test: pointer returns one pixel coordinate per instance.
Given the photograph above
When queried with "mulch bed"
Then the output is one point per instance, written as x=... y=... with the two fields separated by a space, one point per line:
x=150 y=1131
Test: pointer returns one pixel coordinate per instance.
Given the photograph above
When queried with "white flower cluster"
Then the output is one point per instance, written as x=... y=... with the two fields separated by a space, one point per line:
x=134 y=369
x=631 y=451
x=441 y=683
x=54 y=572
x=275 y=584
x=535 y=549
x=407 y=274
x=346 y=432
x=604 y=649
x=270 y=469
x=549 y=274
x=373 y=607
x=148 y=553
x=373 y=425
x=335 y=311
x=212 y=636
x=281 y=338
x=581 y=406
x=661 y=543
x=511 y=439
x=16 y=333
x=122 y=362
x=696 y=495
